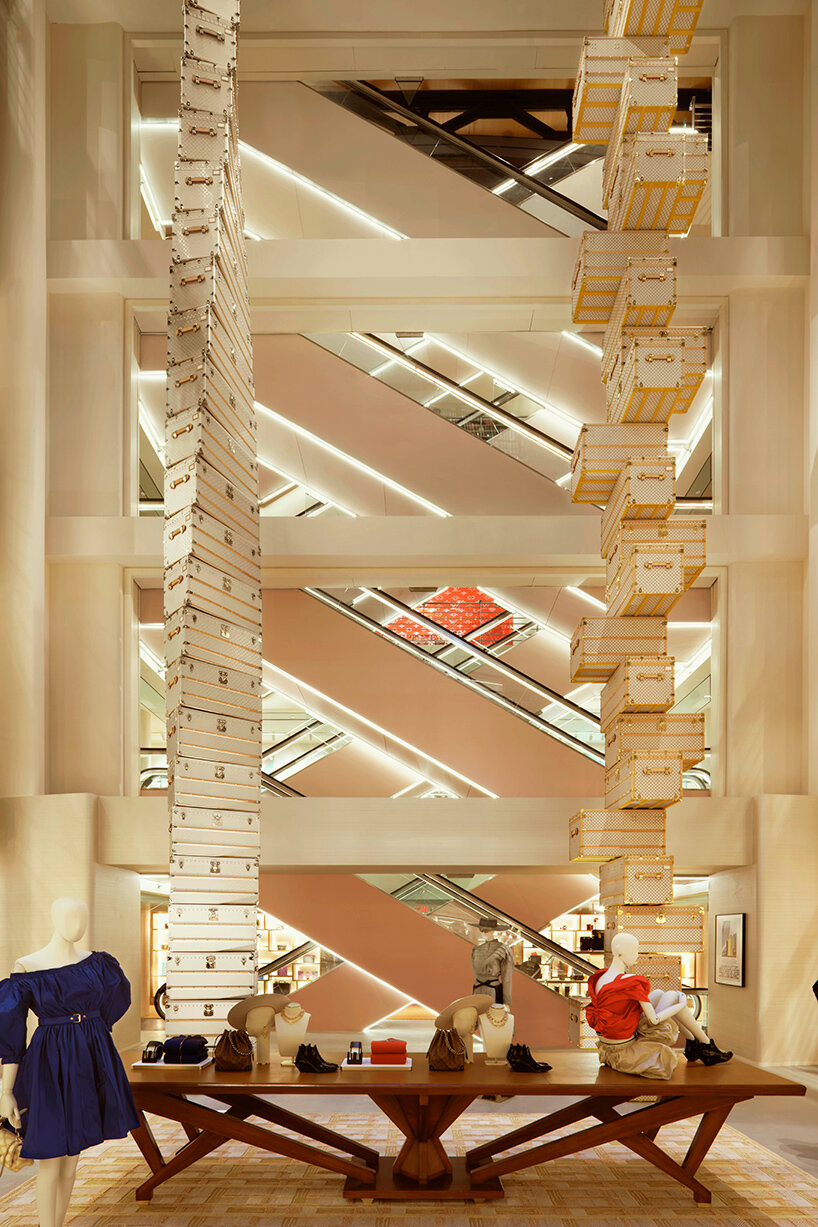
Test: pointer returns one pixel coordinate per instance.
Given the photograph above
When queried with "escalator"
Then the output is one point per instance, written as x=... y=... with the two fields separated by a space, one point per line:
x=459 y=657
x=557 y=160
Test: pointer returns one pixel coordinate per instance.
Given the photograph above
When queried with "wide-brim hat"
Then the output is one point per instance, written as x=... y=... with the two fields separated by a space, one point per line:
x=275 y=1002
x=477 y=1001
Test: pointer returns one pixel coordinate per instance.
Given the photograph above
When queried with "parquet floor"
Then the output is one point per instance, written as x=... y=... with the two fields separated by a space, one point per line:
x=607 y=1187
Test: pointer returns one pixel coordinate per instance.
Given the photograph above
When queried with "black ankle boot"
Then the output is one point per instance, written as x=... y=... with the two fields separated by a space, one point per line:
x=326 y=1067
x=522 y=1062
x=708 y=1054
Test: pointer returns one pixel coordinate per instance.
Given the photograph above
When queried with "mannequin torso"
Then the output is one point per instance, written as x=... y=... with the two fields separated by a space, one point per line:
x=497 y=1031
x=291 y=1030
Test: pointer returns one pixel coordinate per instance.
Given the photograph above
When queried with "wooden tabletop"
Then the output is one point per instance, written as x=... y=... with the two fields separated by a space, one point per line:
x=574 y=1072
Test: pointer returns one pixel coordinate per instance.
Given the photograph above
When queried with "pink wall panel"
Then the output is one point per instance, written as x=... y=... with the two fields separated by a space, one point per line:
x=390 y=940
x=537 y=898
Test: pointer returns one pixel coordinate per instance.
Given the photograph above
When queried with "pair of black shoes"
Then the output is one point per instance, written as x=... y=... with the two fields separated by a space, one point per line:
x=308 y=1060
x=521 y=1061
x=707 y=1053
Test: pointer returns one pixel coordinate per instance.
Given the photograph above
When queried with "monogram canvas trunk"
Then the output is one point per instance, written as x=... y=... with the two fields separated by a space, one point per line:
x=659 y=930
x=221 y=739
x=649 y=581
x=658 y=182
x=663 y=970
x=683 y=733
x=602 y=834
x=639 y=684
x=226 y=692
x=603 y=451
x=646 y=298
x=644 y=490
x=660 y=343
x=636 y=879
x=197 y=435
x=194 y=533
x=683 y=533
x=188 y=632
x=202 y=781
x=195 y=584
x=197 y=482
x=600 y=645
x=580 y=1033
x=602 y=68
x=644 y=779
x=647 y=104
x=601 y=264
x=674 y=20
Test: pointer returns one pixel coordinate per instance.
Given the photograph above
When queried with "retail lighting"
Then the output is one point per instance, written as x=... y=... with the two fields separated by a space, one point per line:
x=265 y=158
x=577 y=337
x=382 y=732
x=161 y=225
x=482 y=407
x=150 y=432
x=251 y=234
x=151 y=659
x=548 y=159
x=564 y=480
x=586 y=596
x=685 y=669
x=566 y=639
x=418 y=783
x=296 y=484
x=350 y=460
x=378 y=371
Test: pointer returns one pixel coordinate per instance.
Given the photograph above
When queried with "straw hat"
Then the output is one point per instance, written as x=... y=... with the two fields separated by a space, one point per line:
x=275 y=1002
x=477 y=1001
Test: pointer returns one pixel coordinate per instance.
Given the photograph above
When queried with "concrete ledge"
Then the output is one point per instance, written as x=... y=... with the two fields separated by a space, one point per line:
x=373 y=835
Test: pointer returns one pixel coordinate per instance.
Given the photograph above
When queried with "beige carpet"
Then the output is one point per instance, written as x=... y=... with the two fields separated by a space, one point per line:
x=607 y=1187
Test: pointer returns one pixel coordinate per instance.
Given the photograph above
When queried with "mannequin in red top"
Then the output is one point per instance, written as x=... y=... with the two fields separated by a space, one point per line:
x=636 y=1025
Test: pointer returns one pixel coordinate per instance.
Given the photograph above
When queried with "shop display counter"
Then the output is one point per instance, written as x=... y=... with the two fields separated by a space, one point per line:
x=423 y=1105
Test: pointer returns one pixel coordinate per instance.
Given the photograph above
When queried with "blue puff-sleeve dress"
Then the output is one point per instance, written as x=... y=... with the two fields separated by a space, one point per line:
x=71 y=1086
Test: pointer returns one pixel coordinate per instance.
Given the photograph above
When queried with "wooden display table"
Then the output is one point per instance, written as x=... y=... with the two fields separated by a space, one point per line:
x=423 y=1105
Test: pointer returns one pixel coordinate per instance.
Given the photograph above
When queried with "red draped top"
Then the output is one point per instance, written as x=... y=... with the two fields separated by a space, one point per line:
x=615 y=1010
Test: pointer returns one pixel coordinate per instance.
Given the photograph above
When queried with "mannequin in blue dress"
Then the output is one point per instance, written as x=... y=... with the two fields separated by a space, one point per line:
x=70 y=1081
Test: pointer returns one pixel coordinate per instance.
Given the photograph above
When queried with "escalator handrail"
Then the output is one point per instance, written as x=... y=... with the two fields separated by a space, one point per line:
x=499 y=165
x=480 y=403
x=459 y=642
x=522 y=713
x=460 y=895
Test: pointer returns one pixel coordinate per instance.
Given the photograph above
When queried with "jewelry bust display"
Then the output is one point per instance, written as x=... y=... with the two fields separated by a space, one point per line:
x=497 y=1031
x=291 y=1023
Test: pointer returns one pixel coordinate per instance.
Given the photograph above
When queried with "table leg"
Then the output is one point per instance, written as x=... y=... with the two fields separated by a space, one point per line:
x=143 y=1136
x=276 y=1115
x=200 y=1145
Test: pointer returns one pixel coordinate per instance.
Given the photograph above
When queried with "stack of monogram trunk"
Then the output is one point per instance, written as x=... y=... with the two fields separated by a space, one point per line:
x=625 y=281
x=212 y=554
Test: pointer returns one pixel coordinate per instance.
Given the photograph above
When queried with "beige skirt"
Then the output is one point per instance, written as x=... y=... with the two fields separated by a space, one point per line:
x=648 y=1054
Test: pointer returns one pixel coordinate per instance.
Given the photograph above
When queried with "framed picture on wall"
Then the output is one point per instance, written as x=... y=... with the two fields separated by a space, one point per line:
x=729 y=947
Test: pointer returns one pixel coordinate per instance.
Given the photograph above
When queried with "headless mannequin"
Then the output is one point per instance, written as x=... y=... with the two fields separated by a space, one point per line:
x=662 y=1005
x=55 y=1177
x=291 y=1030
x=258 y=1024
x=464 y=1021
x=497 y=1030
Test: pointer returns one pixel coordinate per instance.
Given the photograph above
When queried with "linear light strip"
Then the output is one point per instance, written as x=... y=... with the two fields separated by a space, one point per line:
x=377 y=728
x=548 y=159
x=357 y=464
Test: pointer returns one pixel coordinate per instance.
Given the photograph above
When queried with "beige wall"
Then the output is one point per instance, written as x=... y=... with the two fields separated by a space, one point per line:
x=48 y=848
x=766 y=125
x=773 y=1018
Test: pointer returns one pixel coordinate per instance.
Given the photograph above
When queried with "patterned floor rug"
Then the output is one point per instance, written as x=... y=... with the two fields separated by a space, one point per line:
x=606 y=1187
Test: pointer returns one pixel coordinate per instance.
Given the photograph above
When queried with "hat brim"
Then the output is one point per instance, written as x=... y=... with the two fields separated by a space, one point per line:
x=476 y=1001
x=276 y=1002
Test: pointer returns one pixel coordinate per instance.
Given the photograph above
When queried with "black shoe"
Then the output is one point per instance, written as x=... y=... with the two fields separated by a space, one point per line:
x=707 y=1053
x=326 y=1067
x=522 y=1062
x=306 y=1063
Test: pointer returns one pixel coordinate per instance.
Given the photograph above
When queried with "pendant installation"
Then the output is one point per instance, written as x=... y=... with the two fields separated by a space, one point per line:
x=212 y=554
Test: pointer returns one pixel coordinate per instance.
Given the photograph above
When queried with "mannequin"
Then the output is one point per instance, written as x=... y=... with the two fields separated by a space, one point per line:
x=462 y=1015
x=291 y=1023
x=497 y=1030
x=62 y=1118
x=492 y=963
x=637 y=1026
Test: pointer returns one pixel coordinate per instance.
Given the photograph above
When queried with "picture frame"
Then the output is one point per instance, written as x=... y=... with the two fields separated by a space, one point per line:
x=728 y=949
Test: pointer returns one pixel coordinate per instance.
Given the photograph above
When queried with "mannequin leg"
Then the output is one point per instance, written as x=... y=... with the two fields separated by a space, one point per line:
x=684 y=1019
x=55 y=1182
x=65 y=1185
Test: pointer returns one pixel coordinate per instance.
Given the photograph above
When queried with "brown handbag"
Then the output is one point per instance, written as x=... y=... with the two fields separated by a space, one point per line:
x=447 y=1051
x=233 y=1052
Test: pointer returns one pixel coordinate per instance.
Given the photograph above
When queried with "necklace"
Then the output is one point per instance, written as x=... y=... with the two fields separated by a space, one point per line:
x=292 y=1021
x=494 y=1021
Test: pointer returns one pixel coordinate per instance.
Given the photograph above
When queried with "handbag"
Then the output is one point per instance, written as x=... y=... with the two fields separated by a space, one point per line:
x=185 y=1050
x=233 y=1052
x=11 y=1141
x=447 y=1051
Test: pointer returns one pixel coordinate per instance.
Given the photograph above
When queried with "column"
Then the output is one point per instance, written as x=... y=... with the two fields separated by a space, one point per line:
x=811 y=439
x=22 y=394
x=765 y=127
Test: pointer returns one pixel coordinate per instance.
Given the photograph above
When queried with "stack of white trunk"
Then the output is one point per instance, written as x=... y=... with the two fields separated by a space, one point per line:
x=212 y=553
x=625 y=279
